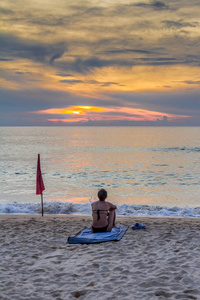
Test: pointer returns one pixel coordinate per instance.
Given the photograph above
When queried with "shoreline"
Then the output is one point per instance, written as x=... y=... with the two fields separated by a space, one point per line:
x=160 y=262
x=37 y=215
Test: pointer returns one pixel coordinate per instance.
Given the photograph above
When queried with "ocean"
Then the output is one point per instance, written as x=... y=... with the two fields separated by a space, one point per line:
x=146 y=170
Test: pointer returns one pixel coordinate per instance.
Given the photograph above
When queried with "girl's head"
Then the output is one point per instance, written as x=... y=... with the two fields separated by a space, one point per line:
x=102 y=195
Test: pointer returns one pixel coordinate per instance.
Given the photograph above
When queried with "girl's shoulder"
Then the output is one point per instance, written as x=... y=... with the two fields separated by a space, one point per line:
x=94 y=203
x=111 y=205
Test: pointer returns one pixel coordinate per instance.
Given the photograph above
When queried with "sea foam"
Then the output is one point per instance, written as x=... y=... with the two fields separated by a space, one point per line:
x=124 y=209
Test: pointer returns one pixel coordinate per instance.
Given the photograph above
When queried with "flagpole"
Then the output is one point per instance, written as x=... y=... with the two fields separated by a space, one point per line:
x=42 y=203
x=39 y=183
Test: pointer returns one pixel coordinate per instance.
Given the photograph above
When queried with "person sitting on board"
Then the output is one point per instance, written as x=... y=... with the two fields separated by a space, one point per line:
x=103 y=213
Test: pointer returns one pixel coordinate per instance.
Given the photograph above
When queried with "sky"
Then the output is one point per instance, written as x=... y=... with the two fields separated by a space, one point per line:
x=96 y=63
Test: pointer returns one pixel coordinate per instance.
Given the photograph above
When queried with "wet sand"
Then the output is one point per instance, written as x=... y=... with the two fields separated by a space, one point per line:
x=160 y=262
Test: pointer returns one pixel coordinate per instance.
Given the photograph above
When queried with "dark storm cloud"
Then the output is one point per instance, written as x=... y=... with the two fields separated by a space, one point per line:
x=156 y=5
x=84 y=66
x=120 y=51
x=102 y=83
x=12 y=46
x=179 y=24
x=161 y=60
x=192 y=59
x=95 y=82
x=59 y=53
x=6 y=59
x=64 y=75
x=72 y=81
x=19 y=73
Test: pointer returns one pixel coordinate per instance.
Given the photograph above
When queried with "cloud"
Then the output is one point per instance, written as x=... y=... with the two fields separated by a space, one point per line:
x=108 y=83
x=15 y=47
x=5 y=11
x=5 y=59
x=71 y=81
x=184 y=102
x=64 y=75
x=122 y=51
x=136 y=54
x=156 y=5
x=87 y=65
x=192 y=82
x=107 y=114
x=15 y=108
x=179 y=24
x=83 y=65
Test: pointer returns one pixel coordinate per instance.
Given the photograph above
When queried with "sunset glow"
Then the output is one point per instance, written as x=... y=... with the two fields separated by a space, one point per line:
x=106 y=114
x=71 y=110
x=108 y=60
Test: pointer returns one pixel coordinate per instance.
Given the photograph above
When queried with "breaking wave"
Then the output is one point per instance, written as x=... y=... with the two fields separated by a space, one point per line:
x=124 y=209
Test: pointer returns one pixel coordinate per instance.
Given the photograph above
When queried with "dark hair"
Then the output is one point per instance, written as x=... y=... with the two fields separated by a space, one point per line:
x=102 y=194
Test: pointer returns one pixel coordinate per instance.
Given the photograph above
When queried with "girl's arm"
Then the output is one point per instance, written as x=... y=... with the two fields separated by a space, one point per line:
x=112 y=206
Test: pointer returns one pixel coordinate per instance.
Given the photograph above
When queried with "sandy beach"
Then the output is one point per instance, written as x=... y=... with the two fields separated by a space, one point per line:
x=160 y=262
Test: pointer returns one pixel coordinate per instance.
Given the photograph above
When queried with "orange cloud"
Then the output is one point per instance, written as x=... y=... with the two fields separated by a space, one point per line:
x=94 y=113
x=68 y=120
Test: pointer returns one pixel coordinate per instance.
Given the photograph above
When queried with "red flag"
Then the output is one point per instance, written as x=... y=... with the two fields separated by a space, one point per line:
x=39 y=181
